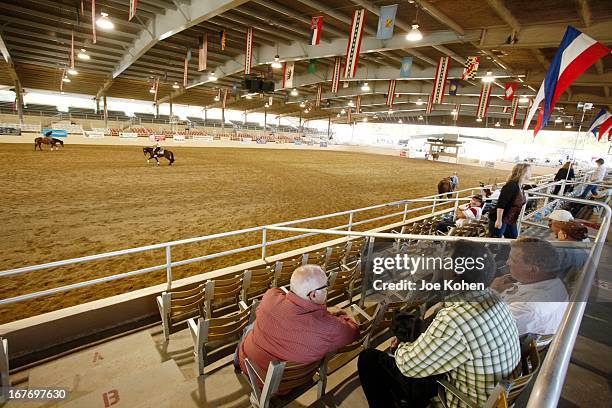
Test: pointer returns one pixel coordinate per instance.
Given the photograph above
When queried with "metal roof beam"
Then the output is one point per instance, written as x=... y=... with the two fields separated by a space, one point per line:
x=9 y=61
x=585 y=12
x=294 y=33
x=325 y=9
x=262 y=31
x=440 y=16
x=502 y=11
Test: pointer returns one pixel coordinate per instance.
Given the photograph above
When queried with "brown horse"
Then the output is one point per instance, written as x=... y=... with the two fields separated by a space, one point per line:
x=445 y=186
x=48 y=140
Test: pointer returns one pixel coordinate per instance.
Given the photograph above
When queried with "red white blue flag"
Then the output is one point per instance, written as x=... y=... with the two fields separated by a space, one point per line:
x=576 y=53
x=248 y=55
x=601 y=124
x=316 y=25
x=354 y=43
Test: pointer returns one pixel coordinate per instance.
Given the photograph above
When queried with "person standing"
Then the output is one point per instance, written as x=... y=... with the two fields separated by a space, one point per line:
x=597 y=177
x=502 y=221
x=565 y=173
x=454 y=180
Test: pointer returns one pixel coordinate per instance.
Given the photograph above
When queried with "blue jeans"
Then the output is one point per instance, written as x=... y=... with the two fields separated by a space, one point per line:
x=506 y=231
x=591 y=188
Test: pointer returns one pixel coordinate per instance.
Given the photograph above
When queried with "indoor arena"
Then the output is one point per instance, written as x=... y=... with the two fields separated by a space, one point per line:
x=264 y=203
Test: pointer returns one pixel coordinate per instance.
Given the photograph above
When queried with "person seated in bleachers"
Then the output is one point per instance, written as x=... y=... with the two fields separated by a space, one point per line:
x=464 y=214
x=472 y=341
x=571 y=260
x=537 y=298
x=296 y=327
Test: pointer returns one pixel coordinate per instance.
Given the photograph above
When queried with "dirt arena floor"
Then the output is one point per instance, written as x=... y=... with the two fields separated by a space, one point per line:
x=85 y=200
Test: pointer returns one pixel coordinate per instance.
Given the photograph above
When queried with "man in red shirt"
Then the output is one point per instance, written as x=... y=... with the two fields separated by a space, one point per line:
x=296 y=327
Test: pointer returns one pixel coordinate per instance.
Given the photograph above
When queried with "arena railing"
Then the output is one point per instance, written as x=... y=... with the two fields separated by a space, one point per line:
x=437 y=204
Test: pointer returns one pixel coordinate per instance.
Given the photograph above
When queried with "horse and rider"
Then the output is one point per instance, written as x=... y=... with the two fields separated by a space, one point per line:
x=48 y=139
x=158 y=151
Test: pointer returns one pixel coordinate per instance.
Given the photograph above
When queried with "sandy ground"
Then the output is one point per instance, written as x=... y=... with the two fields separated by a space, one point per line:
x=85 y=200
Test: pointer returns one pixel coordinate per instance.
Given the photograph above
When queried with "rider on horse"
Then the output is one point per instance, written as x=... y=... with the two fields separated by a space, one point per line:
x=158 y=150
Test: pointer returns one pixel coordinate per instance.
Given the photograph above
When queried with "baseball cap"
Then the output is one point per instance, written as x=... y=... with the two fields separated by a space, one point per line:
x=561 y=215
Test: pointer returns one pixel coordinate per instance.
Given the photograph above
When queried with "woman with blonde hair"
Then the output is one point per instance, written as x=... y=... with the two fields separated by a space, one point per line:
x=565 y=173
x=502 y=221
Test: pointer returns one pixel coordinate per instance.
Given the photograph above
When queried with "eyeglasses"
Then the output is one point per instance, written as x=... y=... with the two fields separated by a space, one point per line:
x=322 y=287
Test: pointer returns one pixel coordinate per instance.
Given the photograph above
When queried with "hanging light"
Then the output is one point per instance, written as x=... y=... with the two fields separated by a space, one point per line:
x=66 y=79
x=217 y=99
x=248 y=96
x=294 y=92
x=478 y=119
x=374 y=117
x=72 y=71
x=489 y=77
x=497 y=124
x=302 y=104
x=558 y=120
x=414 y=34
x=342 y=112
x=212 y=77
x=364 y=120
x=523 y=99
x=338 y=115
x=390 y=111
x=365 y=87
x=175 y=85
x=306 y=110
x=276 y=64
x=266 y=105
x=351 y=103
x=152 y=90
x=420 y=117
x=83 y=55
x=420 y=102
x=568 y=125
x=454 y=112
x=104 y=22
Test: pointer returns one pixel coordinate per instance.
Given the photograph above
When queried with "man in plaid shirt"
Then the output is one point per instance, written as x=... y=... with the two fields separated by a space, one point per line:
x=473 y=342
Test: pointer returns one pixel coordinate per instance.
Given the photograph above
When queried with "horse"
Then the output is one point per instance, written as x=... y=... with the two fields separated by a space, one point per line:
x=445 y=186
x=167 y=154
x=39 y=141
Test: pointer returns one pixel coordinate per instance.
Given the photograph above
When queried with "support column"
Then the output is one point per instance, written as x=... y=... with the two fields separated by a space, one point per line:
x=105 y=112
x=245 y=117
x=19 y=95
x=98 y=106
x=205 y=116
x=265 y=120
x=328 y=127
x=223 y=121
x=300 y=127
x=156 y=110
x=171 y=116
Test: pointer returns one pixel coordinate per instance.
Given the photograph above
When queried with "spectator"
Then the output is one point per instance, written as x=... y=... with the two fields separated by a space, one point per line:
x=296 y=326
x=536 y=296
x=556 y=218
x=454 y=179
x=502 y=221
x=472 y=341
x=565 y=173
x=464 y=214
x=571 y=260
x=597 y=177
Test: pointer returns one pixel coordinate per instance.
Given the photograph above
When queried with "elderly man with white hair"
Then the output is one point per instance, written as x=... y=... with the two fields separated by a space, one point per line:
x=296 y=326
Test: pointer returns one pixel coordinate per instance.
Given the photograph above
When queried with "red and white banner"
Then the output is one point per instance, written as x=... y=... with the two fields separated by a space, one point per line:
x=510 y=91
x=483 y=102
x=429 y=107
x=185 y=71
x=93 y=19
x=336 y=75
x=248 y=55
x=354 y=43
x=72 y=50
x=133 y=4
x=288 y=73
x=514 y=111
x=202 y=52
x=224 y=101
x=319 y=94
x=358 y=104
x=391 y=93
x=437 y=93
x=316 y=25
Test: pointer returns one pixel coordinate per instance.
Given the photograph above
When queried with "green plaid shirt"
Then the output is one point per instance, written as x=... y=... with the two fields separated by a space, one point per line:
x=475 y=343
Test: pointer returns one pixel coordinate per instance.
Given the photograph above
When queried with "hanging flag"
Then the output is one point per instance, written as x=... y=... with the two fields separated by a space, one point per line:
x=133 y=8
x=156 y=88
x=406 y=67
x=391 y=93
x=224 y=101
x=429 y=106
x=577 y=52
x=349 y=116
x=354 y=43
x=202 y=52
x=288 y=73
x=222 y=39
x=358 y=104
x=93 y=19
x=319 y=94
x=386 y=22
x=437 y=92
x=312 y=66
x=336 y=76
x=514 y=111
x=248 y=55
x=470 y=67
x=72 y=50
x=453 y=87
x=316 y=24
x=510 y=91
x=483 y=102
x=529 y=105
x=601 y=124
x=185 y=71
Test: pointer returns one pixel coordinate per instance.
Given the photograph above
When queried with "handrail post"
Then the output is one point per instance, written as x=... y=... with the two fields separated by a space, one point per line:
x=350 y=222
x=522 y=214
x=5 y=382
x=405 y=213
x=457 y=202
x=433 y=209
x=169 y=266
x=263 y=243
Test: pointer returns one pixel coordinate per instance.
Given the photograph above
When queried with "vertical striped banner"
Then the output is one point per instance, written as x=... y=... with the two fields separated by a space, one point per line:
x=202 y=52
x=133 y=5
x=437 y=93
x=349 y=116
x=336 y=75
x=319 y=94
x=358 y=104
x=354 y=43
x=483 y=102
x=391 y=93
x=514 y=111
x=185 y=71
x=248 y=55
x=72 y=50
x=429 y=107
x=224 y=98
x=93 y=19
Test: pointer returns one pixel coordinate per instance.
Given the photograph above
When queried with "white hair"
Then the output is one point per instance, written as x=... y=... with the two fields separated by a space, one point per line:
x=307 y=278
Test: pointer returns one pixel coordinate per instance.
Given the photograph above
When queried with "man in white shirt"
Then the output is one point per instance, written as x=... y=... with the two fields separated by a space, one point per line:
x=464 y=214
x=537 y=298
x=597 y=177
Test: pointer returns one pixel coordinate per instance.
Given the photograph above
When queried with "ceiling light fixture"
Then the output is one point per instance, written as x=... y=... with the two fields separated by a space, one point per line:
x=72 y=71
x=351 y=103
x=104 y=22
x=152 y=90
x=212 y=77
x=489 y=77
x=342 y=112
x=523 y=99
x=568 y=125
x=266 y=105
x=478 y=119
x=338 y=115
x=83 y=54
x=302 y=104
x=414 y=34
x=248 y=96
x=400 y=121
x=217 y=99
x=497 y=124
x=365 y=87
x=420 y=102
x=66 y=79
x=364 y=120
x=276 y=64
x=294 y=92
x=558 y=120
x=420 y=117
x=175 y=85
